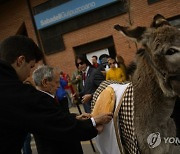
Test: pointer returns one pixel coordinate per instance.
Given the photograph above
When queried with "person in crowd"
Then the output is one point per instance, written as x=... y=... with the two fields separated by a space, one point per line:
x=68 y=88
x=115 y=73
x=107 y=65
x=91 y=80
x=97 y=65
x=77 y=80
x=24 y=109
x=121 y=65
x=130 y=70
x=61 y=95
x=46 y=80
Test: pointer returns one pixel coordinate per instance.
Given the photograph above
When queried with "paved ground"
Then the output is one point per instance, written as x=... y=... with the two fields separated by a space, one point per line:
x=85 y=145
x=87 y=148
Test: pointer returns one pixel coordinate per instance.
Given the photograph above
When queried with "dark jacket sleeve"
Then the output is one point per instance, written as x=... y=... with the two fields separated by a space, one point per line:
x=86 y=129
x=52 y=122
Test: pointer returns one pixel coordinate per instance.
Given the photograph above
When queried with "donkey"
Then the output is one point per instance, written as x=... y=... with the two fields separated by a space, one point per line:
x=156 y=85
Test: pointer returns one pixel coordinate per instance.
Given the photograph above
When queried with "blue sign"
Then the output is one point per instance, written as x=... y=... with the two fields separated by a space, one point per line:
x=67 y=10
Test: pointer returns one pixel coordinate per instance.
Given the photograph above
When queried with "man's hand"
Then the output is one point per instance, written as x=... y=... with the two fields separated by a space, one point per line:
x=103 y=118
x=99 y=128
x=75 y=96
x=86 y=98
x=78 y=77
x=83 y=116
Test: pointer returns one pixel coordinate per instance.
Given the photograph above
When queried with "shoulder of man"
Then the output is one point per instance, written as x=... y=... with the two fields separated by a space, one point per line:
x=101 y=67
x=31 y=92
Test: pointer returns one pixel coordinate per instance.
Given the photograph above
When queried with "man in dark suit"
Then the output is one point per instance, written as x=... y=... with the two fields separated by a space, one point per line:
x=24 y=109
x=92 y=78
x=46 y=80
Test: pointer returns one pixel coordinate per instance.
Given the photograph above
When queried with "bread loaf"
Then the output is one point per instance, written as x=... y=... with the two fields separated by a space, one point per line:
x=105 y=102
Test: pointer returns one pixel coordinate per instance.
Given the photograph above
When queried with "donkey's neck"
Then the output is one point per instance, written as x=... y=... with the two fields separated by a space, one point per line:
x=150 y=100
x=152 y=108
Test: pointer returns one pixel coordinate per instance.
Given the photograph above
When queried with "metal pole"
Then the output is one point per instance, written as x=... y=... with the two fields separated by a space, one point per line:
x=77 y=105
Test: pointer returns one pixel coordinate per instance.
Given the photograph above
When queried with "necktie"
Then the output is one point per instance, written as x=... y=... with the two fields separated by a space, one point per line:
x=84 y=76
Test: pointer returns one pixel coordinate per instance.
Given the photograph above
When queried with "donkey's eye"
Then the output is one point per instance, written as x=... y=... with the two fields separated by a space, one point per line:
x=171 y=51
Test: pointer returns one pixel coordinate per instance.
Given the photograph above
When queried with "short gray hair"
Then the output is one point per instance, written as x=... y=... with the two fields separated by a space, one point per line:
x=43 y=72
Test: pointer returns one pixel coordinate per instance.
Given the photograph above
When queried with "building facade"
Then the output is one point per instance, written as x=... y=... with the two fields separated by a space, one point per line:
x=81 y=26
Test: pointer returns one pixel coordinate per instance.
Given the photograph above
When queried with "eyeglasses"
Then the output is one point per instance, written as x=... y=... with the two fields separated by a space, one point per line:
x=112 y=63
x=81 y=63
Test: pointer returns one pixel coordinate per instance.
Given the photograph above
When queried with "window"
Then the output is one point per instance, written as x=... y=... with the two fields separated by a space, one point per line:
x=153 y=1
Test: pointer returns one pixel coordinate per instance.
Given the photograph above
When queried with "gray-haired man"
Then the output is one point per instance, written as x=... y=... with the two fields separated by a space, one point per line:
x=47 y=81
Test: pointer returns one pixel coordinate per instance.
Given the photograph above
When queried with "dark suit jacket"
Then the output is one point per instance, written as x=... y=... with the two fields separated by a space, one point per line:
x=93 y=80
x=24 y=109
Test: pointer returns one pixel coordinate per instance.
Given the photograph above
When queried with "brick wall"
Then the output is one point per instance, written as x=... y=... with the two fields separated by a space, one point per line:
x=14 y=13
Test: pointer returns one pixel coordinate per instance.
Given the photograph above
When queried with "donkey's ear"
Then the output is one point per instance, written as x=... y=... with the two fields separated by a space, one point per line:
x=132 y=33
x=159 y=21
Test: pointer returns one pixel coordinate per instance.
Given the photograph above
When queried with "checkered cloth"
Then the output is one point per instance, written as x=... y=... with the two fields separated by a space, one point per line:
x=126 y=117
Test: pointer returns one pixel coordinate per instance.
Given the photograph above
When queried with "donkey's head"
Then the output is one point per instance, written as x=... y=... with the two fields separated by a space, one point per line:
x=162 y=53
